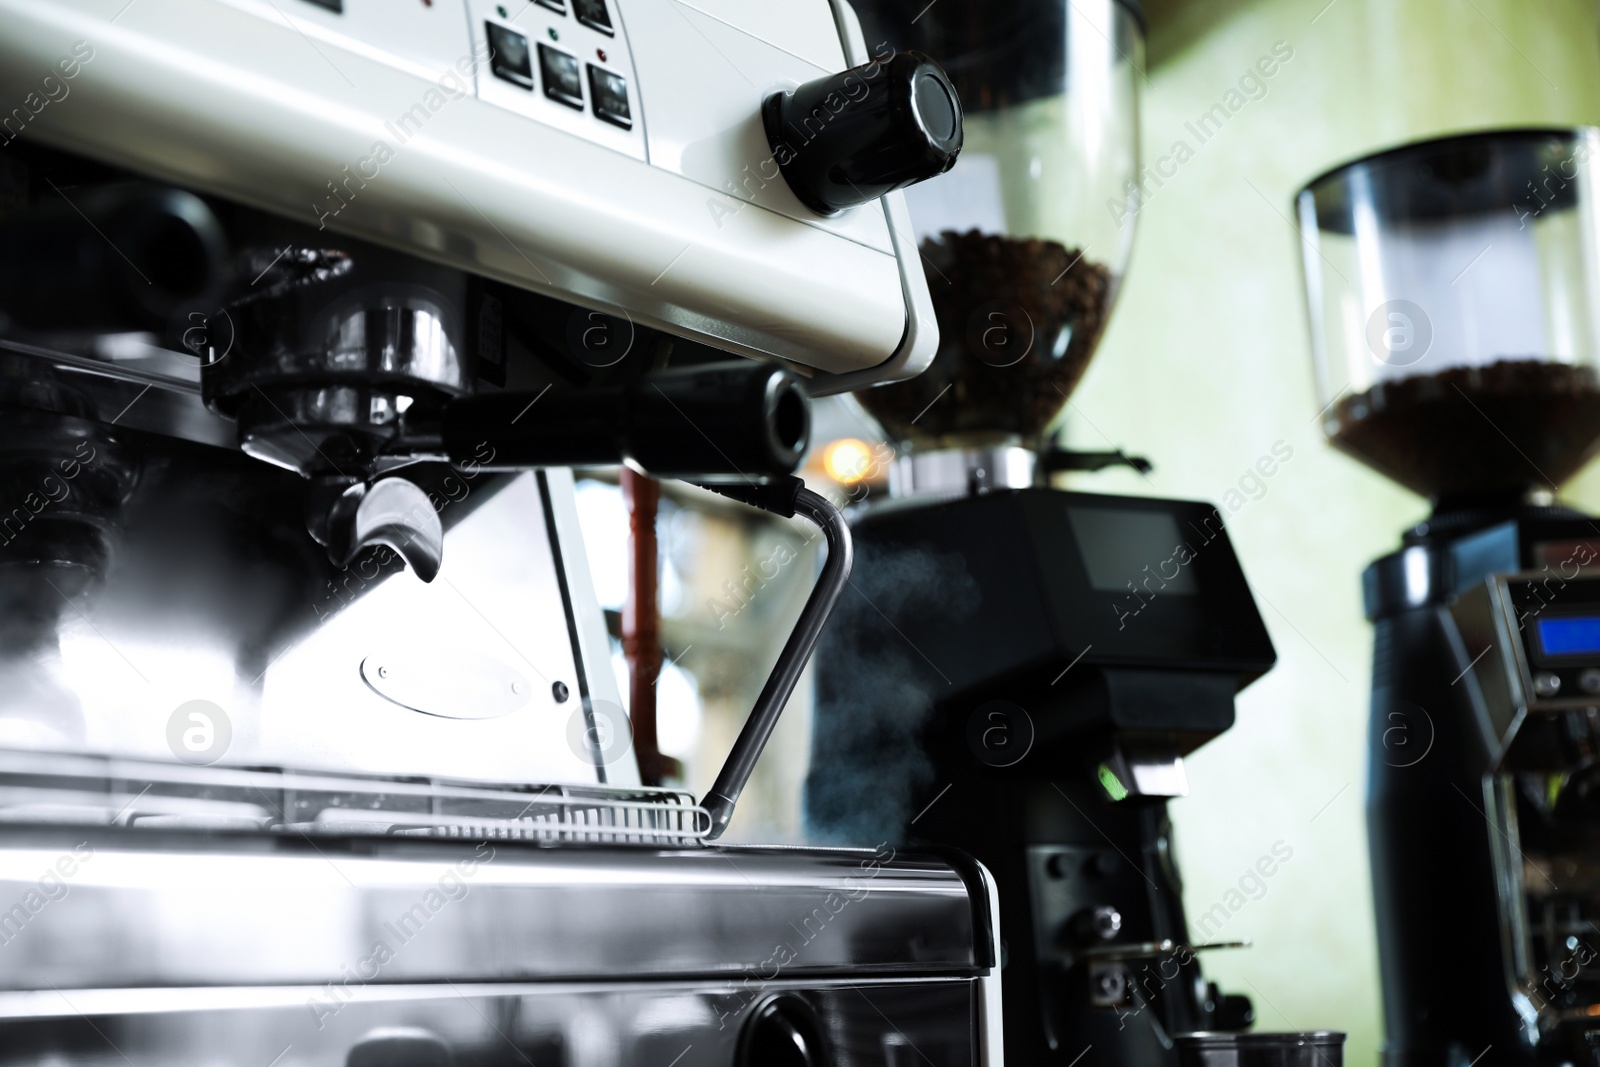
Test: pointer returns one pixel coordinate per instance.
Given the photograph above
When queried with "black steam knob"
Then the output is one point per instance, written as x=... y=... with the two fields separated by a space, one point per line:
x=850 y=138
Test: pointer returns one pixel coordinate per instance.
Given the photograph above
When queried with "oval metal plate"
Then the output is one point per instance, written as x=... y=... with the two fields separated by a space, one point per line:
x=451 y=683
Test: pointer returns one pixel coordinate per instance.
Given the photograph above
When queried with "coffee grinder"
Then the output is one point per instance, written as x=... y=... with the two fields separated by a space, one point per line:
x=1452 y=296
x=1019 y=671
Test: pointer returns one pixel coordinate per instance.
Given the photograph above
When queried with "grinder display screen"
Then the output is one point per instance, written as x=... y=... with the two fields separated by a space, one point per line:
x=1571 y=635
x=1124 y=548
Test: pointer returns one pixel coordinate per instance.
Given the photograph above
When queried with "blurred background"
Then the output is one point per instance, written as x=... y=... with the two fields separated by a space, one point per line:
x=1205 y=370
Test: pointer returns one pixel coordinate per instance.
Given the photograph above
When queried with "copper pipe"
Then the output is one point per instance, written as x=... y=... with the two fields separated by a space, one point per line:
x=641 y=626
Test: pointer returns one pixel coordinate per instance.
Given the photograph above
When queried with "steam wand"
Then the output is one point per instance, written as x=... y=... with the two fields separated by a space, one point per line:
x=787 y=497
x=748 y=421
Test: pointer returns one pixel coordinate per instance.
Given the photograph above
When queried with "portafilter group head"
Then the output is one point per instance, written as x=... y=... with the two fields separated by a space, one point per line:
x=327 y=352
x=349 y=366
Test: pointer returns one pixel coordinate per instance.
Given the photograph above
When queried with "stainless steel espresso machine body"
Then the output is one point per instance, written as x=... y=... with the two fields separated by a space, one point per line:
x=170 y=946
x=1476 y=388
x=310 y=748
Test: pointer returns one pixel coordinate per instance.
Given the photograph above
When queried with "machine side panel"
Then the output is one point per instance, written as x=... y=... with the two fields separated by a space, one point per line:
x=704 y=120
x=801 y=27
x=586 y=622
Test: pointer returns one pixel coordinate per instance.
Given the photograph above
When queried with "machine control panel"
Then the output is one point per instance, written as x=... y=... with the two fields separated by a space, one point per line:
x=1564 y=651
x=1528 y=648
x=568 y=67
x=1557 y=626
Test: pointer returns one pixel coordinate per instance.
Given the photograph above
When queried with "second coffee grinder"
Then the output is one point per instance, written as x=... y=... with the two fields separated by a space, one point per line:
x=1025 y=669
x=1454 y=295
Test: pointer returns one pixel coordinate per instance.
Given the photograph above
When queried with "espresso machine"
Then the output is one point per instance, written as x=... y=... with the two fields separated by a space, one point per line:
x=310 y=748
x=1452 y=296
x=1020 y=670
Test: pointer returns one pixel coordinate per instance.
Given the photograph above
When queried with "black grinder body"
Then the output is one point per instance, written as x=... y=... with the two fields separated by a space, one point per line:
x=1447 y=923
x=1018 y=675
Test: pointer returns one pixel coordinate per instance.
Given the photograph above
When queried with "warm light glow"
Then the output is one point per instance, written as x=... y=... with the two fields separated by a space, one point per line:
x=847 y=461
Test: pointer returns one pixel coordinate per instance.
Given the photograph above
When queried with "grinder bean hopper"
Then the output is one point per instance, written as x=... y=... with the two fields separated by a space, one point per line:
x=1453 y=316
x=1023 y=257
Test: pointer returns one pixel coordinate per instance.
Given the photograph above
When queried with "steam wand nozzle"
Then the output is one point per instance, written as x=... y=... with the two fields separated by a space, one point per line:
x=788 y=497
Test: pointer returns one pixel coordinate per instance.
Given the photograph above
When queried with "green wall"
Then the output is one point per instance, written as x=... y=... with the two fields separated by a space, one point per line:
x=1206 y=367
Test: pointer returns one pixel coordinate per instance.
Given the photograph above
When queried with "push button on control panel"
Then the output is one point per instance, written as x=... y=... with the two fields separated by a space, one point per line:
x=609 y=93
x=508 y=56
x=562 y=79
x=593 y=14
x=571 y=71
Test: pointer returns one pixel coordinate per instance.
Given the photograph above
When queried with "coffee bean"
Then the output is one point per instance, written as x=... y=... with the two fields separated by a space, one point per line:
x=1490 y=431
x=1018 y=321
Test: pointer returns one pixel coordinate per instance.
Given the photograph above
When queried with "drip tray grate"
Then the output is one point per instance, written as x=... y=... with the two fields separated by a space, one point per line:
x=56 y=789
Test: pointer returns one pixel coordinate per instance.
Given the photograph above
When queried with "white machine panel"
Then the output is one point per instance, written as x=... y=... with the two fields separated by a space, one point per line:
x=427 y=38
x=676 y=219
x=718 y=140
x=793 y=26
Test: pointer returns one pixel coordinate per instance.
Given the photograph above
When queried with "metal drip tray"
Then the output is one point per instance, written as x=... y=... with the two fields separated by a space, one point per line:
x=52 y=789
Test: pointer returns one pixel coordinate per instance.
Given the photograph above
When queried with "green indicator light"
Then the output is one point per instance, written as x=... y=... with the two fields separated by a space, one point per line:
x=1112 y=784
x=502 y=11
x=554 y=36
